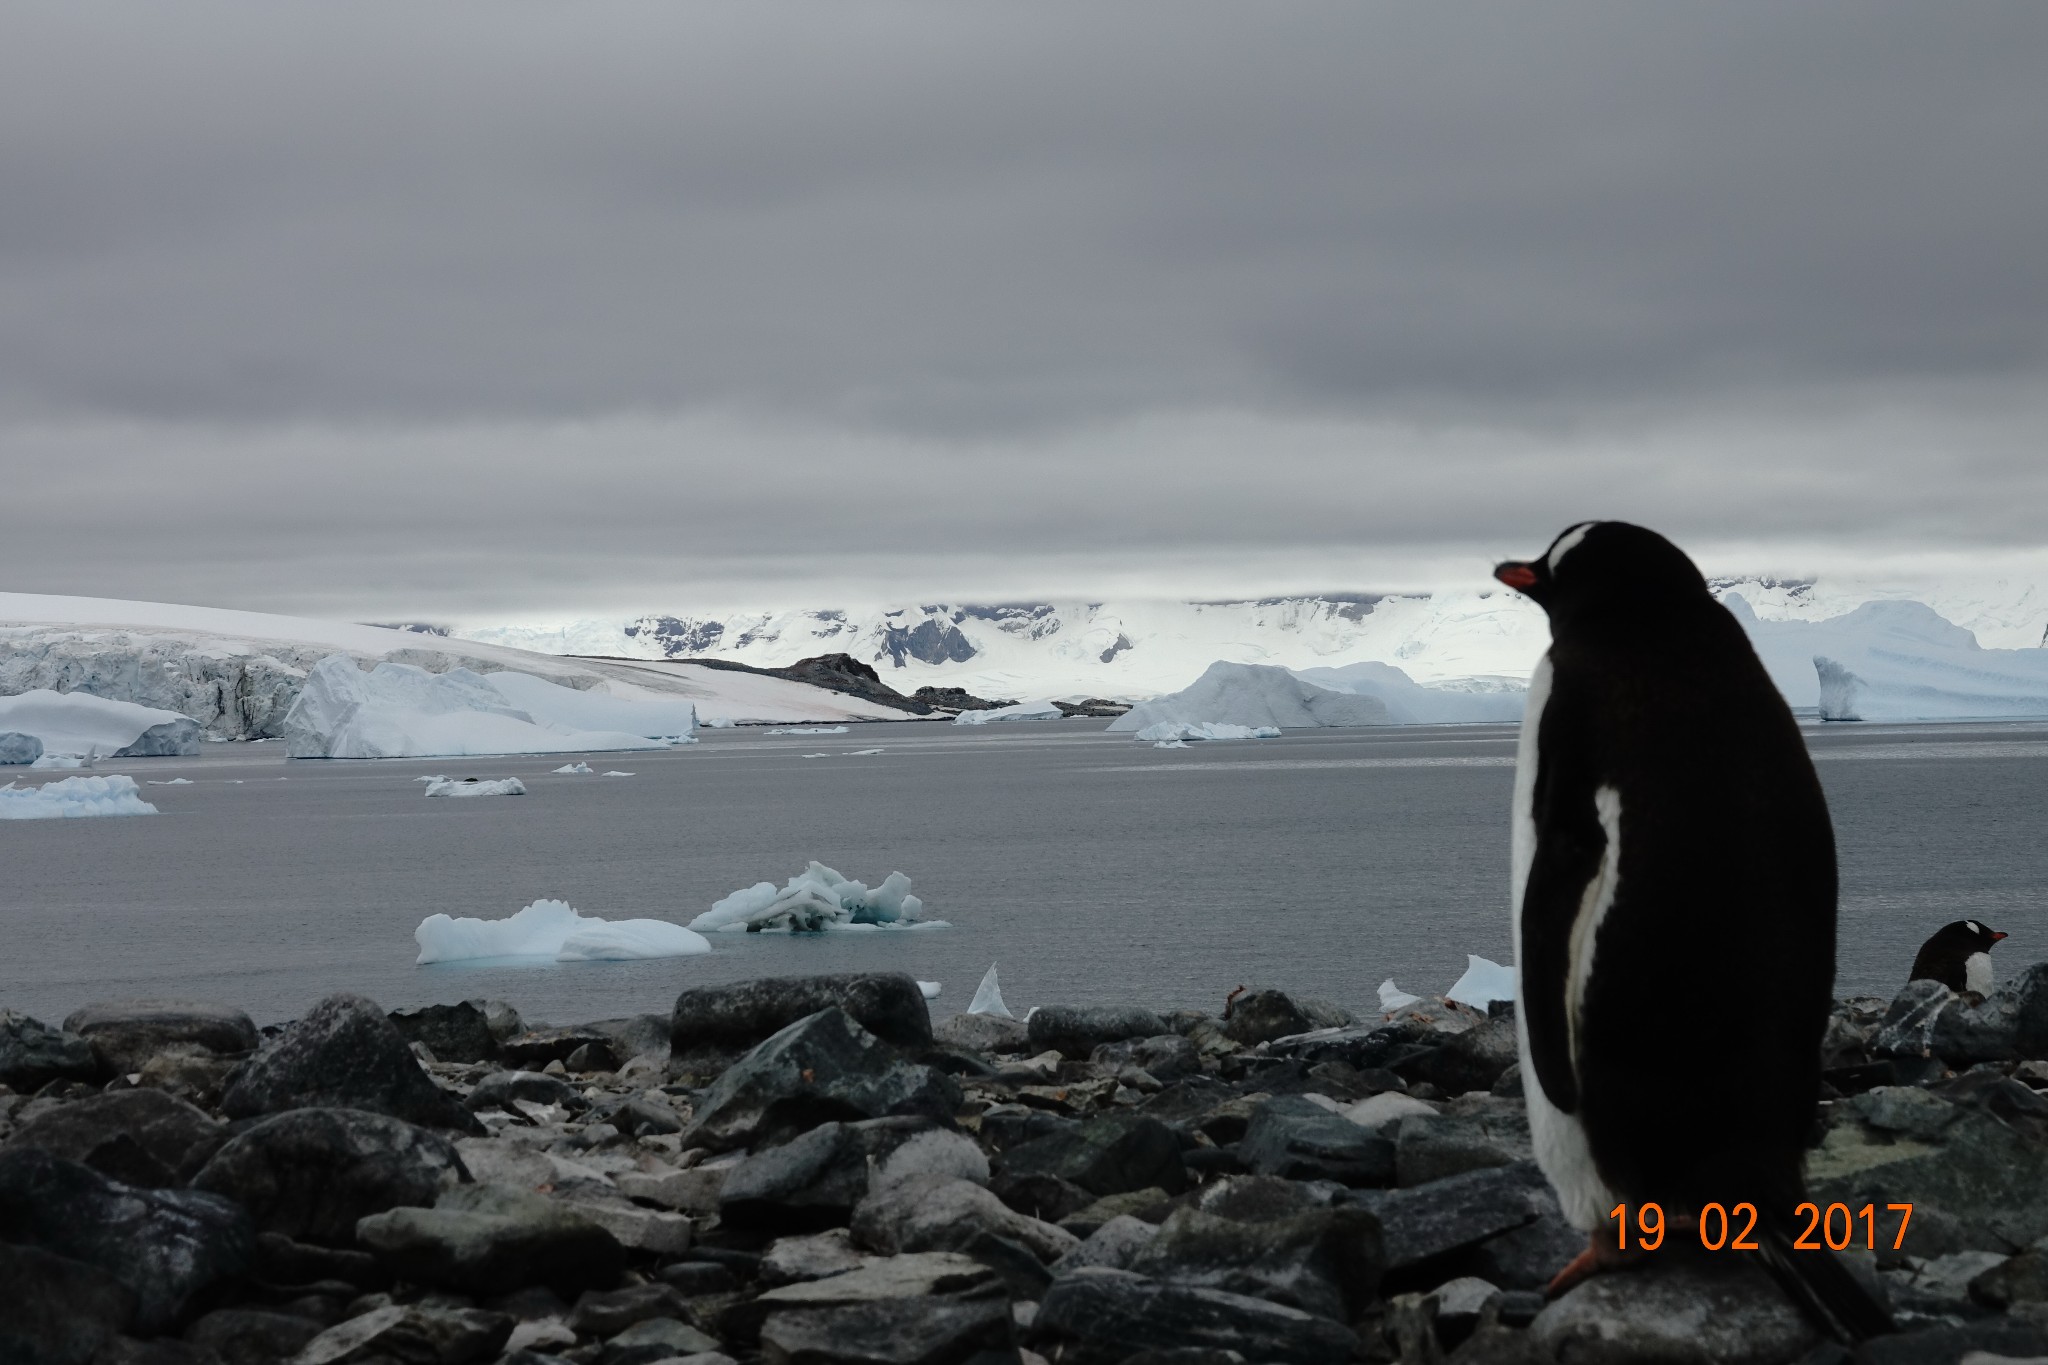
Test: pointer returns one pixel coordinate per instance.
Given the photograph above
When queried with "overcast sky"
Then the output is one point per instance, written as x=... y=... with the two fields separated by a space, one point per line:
x=533 y=310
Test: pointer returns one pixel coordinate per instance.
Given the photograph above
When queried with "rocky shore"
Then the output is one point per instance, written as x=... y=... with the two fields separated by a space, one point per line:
x=805 y=1171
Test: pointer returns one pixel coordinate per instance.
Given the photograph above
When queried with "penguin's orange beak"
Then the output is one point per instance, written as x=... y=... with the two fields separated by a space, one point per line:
x=1516 y=574
x=1996 y=936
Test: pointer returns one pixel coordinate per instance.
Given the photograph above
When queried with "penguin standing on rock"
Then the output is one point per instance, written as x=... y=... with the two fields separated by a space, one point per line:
x=1958 y=956
x=1674 y=913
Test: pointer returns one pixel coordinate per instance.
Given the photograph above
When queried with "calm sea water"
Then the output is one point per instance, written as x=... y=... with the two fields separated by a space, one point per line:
x=1092 y=869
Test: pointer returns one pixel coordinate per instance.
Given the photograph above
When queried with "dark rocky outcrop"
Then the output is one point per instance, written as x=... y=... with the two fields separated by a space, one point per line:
x=312 y=1174
x=138 y=1137
x=32 y=1054
x=127 y=1033
x=714 y=1024
x=490 y=1239
x=344 y=1054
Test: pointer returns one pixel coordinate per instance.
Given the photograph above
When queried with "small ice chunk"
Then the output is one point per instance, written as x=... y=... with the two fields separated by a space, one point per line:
x=810 y=730
x=1171 y=732
x=861 y=753
x=1483 y=983
x=930 y=989
x=1025 y=710
x=572 y=768
x=1169 y=744
x=474 y=786
x=1384 y=1108
x=1393 y=998
x=176 y=782
x=551 y=928
x=816 y=899
x=614 y=772
x=72 y=798
x=988 y=999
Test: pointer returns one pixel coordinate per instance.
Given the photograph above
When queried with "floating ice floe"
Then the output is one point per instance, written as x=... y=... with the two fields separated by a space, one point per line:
x=552 y=929
x=929 y=989
x=175 y=781
x=614 y=772
x=988 y=999
x=1023 y=710
x=1170 y=733
x=816 y=899
x=48 y=762
x=398 y=711
x=810 y=730
x=473 y=786
x=79 y=723
x=572 y=768
x=73 y=798
x=1483 y=983
x=1255 y=695
x=862 y=753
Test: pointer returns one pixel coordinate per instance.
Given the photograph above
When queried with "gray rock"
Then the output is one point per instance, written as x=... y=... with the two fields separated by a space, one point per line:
x=1530 y=1256
x=2010 y=1025
x=822 y=1068
x=607 y=1312
x=199 y=1077
x=1724 y=1310
x=537 y=1047
x=694 y=1191
x=1429 y=1220
x=1297 y=1139
x=935 y=1151
x=1264 y=1198
x=500 y=1088
x=931 y=1331
x=791 y=1260
x=595 y=1055
x=313 y=1174
x=882 y=1279
x=2018 y=1279
x=1327 y=1262
x=138 y=1137
x=1102 y=1317
x=984 y=1033
x=503 y=1021
x=1476 y=1058
x=1152 y=1203
x=941 y=1213
x=1076 y=1032
x=178 y=738
x=1433 y=1147
x=1112 y=1154
x=57 y=1311
x=127 y=1033
x=286 y=1262
x=32 y=1054
x=16 y=747
x=416 y=1335
x=251 y=1336
x=643 y=1115
x=1115 y=1244
x=813 y=1180
x=165 y=1245
x=1997 y=1342
x=696 y=1278
x=1262 y=1016
x=161 y=1351
x=653 y=1339
x=453 y=1033
x=1168 y=1057
x=637 y=1035
x=1908 y=1026
x=726 y=1020
x=488 y=1239
x=345 y=1055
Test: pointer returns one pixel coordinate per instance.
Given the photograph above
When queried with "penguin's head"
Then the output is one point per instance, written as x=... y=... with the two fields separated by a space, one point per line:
x=1598 y=562
x=1965 y=936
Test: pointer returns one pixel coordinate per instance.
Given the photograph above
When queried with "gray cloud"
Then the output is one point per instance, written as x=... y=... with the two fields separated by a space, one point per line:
x=383 y=308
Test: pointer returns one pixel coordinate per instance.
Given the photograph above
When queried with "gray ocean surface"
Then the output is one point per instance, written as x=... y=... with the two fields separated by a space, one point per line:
x=1094 y=870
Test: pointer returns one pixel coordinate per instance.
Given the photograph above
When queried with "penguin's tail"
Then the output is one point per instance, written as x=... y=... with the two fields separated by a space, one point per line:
x=1825 y=1290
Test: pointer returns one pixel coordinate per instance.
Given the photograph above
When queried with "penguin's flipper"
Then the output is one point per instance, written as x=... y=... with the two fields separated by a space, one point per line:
x=1832 y=1298
x=1570 y=855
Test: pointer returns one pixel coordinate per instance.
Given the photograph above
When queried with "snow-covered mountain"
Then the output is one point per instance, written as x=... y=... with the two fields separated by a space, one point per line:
x=1478 y=640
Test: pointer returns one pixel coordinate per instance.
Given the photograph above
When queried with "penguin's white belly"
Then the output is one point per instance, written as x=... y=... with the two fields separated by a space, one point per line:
x=1559 y=1139
x=1977 y=973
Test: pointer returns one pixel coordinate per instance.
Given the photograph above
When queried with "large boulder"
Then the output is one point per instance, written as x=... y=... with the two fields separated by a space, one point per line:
x=823 y=1067
x=312 y=1174
x=1076 y=1031
x=712 y=1023
x=815 y=1180
x=453 y=1033
x=1428 y=1220
x=491 y=1239
x=916 y=1278
x=939 y=1330
x=1325 y=1262
x=166 y=1246
x=1262 y=1016
x=1724 y=1309
x=945 y=1213
x=127 y=1033
x=344 y=1055
x=1111 y=1154
x=1100 y=1316
x=57 y=1311
x=138 y=1137
x=1294 y=1138
x=32 y=1054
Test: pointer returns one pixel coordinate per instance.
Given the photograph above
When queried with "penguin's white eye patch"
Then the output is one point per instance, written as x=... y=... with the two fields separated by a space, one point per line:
x=1566 y=543
x=1975 y=927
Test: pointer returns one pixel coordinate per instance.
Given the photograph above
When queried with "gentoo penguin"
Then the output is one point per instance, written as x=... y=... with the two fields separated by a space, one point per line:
x=1958 y=956
x=1674 y=911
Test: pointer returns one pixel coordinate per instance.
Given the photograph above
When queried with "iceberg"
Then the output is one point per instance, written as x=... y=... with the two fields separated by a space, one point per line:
x=73 y=798
x=814 y=900
x=1173 y=734
x=567 y=708
x=1393 y=998
x=399 y=711
x=1253 y=695
x=928 y=989
x=443 y=785
x=1483 y=983
x=48 y=761
x=572 y=768
x=988 y=999
x=79 y=723
x=17 y=748
x=1411 y=703
x=552 y=929
x=1023 y=710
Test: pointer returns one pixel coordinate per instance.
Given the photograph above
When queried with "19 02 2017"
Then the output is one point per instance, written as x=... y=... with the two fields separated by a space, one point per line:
x=1834 y=1227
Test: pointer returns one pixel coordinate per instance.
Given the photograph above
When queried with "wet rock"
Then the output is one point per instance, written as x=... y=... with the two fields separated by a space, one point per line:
x=127 y=1033
x=942 y=1213
x=792 y=1260
x=949 y=1330
x=1476 y=1058
x=499 y=1089
x=415 y=1335
x=57 y=1311
x=536 y=1048
x=1296 y=1139
x=1169 y=1057
x=1115 y=1244
x=714 y=1022
x=165 y=1245
x=139 y=1137
x=1721 y=1309
x=822 y=1068
x=1425 y=1221
x=2018 y=1279
x=346 y=1055
x=487 y=1239
x=1076 y=1032
x=655 y=1339
x=251 y=1336
x=984 y=1033
x=1493 y=1133
x=605 y=1313
x=1326 y=1262
x=1107 y=1155
x=454 y=1033
x=1262 y=1016
x=32 y=1054
x=312 y=1174
x=1102 y=1317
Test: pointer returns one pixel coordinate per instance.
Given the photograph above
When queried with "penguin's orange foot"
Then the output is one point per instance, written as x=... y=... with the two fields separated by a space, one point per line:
x=1597 y=1257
